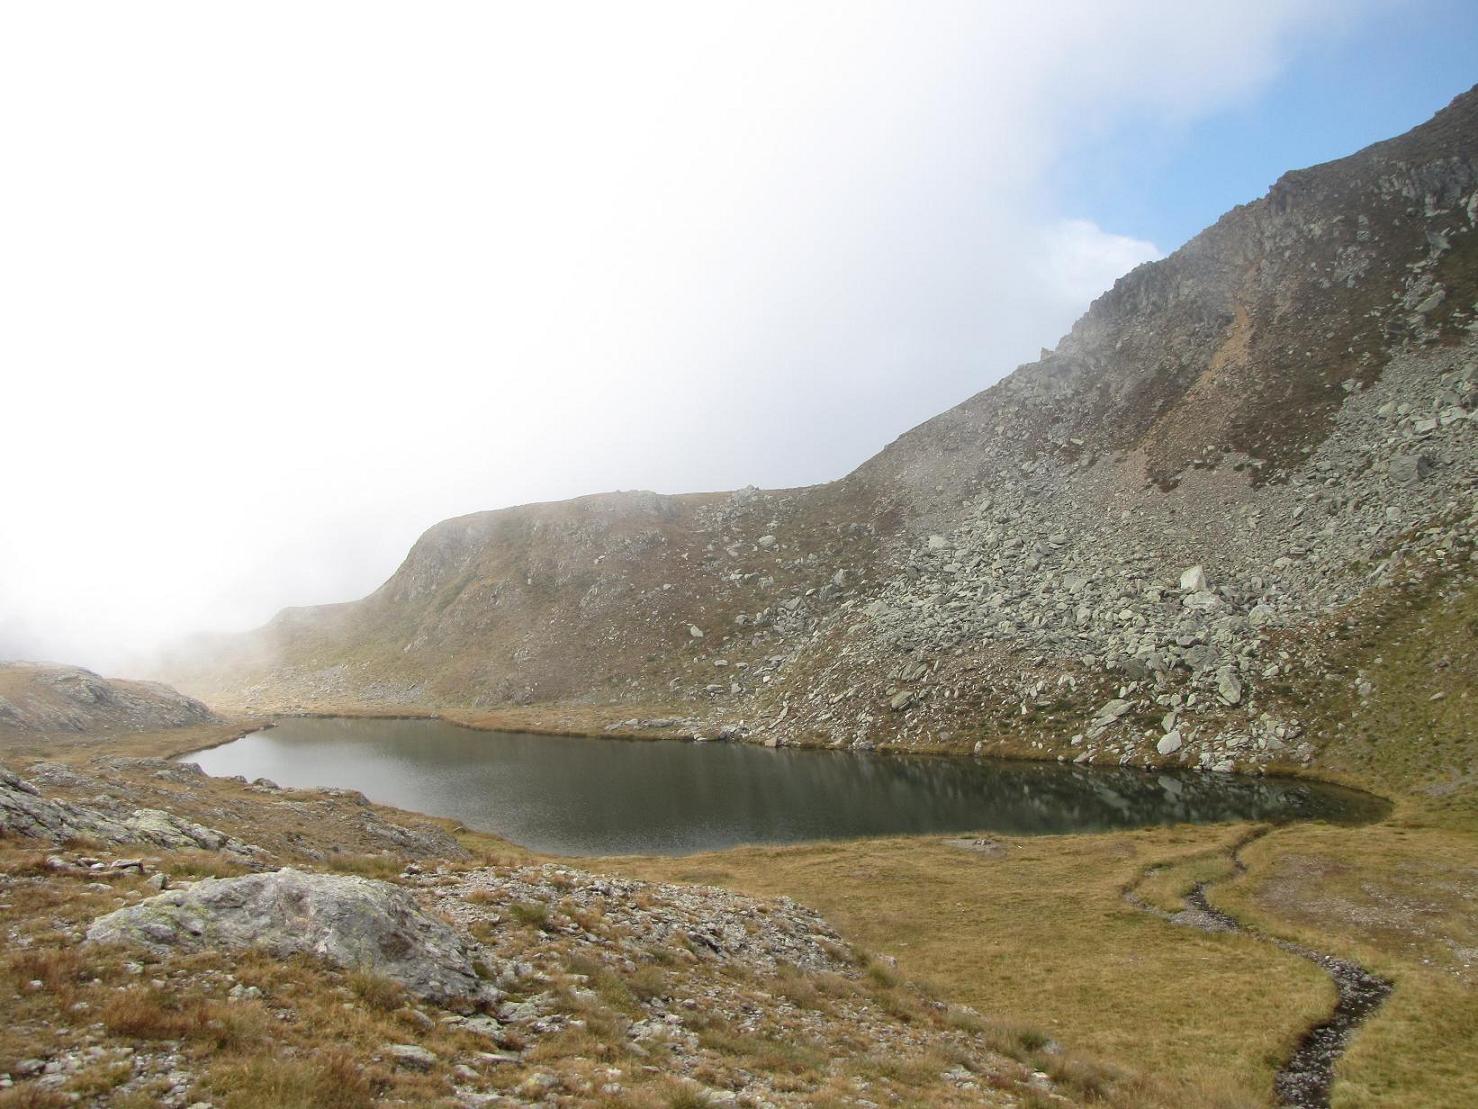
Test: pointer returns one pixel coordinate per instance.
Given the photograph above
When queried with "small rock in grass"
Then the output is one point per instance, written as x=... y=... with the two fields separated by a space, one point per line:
x=411 y=1056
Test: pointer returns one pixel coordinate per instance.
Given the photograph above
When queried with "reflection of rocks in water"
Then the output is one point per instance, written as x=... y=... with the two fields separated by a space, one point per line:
x=1051 y=797
x=582 y=796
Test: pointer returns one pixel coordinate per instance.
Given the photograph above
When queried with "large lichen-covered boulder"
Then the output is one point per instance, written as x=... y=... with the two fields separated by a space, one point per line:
x=351 y=922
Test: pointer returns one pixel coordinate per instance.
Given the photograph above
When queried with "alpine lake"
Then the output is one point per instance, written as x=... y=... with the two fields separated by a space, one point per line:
x=586 y=796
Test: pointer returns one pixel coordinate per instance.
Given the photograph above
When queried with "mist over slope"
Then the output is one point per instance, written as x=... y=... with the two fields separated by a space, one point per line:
x=1134 y=549
x=38 y=697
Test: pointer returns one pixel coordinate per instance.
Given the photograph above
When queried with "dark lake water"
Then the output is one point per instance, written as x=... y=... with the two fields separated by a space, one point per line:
x=600 y=796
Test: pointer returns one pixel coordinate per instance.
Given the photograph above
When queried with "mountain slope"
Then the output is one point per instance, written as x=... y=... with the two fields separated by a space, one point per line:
x=1286 y=402
x=44 y=697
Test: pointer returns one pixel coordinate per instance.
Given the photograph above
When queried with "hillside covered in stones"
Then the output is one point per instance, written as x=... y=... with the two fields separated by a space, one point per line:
x=1154 y=544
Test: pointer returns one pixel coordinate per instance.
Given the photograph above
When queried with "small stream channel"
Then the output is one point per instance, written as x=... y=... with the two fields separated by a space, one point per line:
x=1305 y=1080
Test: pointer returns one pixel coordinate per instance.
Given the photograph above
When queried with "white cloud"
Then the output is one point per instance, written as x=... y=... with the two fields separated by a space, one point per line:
x=1078 y=259
x=285 y=283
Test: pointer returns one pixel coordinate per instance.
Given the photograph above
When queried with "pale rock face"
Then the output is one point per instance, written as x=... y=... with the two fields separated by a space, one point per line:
x=349 y=921
x=1169 y=743
x=1193 y=580
x=1201 y=601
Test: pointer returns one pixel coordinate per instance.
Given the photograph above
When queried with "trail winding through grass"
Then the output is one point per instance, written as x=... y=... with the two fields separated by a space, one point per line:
x=1305 y=1080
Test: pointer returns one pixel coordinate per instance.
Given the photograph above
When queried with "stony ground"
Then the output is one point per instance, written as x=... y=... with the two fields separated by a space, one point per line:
x=1114 y=635
x=147 y=972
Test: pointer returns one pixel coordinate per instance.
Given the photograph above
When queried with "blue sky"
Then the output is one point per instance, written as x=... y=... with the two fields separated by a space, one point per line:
x=1165 y=183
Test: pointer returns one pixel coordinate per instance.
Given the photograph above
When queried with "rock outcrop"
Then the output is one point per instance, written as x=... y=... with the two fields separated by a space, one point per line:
x=351 y=922
x=25 y=812
x=756 y=937
x=44 y=697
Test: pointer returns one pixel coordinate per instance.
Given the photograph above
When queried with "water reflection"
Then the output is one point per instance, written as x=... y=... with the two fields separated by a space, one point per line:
x=591 y=796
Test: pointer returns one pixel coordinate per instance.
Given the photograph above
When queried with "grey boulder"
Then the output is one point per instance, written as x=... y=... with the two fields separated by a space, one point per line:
x=1193 y=580
x=351 y=922
x=1408 y=469
x=411 y=1056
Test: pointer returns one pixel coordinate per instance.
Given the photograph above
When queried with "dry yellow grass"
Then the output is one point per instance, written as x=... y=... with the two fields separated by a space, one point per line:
x=1403 y=900
x=1041 y=938
x=333 y=1080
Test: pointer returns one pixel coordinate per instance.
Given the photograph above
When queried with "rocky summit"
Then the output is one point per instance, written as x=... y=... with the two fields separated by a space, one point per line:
x=1130 y=550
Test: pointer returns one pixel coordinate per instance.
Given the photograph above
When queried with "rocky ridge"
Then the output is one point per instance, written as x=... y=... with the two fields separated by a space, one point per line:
x=46 y=697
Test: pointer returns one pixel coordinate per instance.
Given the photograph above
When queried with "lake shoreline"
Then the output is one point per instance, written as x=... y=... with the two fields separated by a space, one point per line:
x=492 y=723
x=576 y=796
